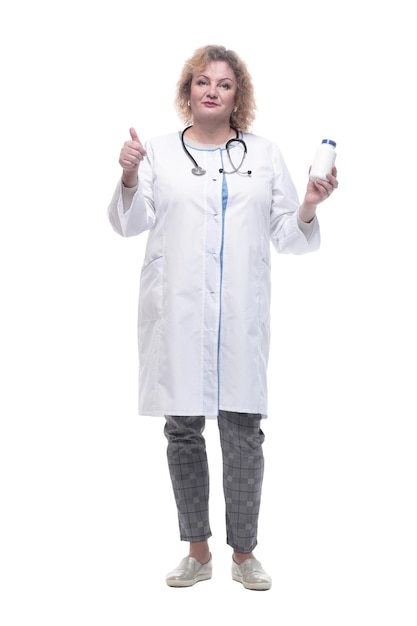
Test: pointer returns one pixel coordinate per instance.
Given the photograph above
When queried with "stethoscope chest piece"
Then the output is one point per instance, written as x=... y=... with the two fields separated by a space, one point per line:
x=198 y=171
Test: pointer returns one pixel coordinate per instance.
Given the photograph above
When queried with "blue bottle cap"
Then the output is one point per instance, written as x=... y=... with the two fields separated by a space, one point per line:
x=332 y=143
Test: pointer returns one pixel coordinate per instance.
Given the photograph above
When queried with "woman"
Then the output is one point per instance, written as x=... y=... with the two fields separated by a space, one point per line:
x=213 y=197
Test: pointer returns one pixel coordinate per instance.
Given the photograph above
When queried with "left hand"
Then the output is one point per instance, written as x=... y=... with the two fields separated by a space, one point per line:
x=317 y=191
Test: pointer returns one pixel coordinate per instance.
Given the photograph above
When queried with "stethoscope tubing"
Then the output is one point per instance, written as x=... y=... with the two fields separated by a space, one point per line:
x=197 y=170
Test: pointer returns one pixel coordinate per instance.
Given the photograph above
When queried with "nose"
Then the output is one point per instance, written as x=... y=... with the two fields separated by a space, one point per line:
x=212 y=92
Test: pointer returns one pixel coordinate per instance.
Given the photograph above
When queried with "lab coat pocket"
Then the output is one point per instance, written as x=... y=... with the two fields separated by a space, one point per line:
x=151 y=289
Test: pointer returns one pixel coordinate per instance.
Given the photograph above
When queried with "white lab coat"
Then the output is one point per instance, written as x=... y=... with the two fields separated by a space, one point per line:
x=203 y=324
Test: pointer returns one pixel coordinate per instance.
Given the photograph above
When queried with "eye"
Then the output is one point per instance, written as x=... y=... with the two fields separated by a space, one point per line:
x=201 y=81
x=225 y=85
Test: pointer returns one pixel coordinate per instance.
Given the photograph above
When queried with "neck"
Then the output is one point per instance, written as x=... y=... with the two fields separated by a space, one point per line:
x=216 y=135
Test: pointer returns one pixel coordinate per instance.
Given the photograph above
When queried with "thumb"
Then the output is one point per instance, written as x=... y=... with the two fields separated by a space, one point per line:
x=133 y=134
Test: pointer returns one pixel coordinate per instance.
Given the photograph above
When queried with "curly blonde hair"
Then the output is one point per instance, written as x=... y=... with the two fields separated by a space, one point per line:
x=245 y=105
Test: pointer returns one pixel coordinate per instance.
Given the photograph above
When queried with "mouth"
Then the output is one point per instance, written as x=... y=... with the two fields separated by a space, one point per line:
x=210 y=104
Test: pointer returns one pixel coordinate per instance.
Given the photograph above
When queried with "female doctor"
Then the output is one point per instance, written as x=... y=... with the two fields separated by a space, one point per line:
x=212 y=197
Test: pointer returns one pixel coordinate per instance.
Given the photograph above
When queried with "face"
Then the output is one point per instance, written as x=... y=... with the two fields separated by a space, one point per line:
x=213 y=91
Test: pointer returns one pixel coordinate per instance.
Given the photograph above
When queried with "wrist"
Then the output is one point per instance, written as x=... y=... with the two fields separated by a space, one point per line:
x=307 y=212
x=129 y=179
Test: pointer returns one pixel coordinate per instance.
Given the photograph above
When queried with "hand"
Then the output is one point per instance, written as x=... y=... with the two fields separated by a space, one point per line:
x=317 y=191
x=131 y=154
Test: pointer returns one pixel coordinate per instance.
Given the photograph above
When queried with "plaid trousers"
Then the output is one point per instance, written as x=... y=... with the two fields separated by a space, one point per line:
x=241 y=440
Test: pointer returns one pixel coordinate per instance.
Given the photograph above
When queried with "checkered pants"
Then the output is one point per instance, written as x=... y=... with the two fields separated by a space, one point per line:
x=241 y=441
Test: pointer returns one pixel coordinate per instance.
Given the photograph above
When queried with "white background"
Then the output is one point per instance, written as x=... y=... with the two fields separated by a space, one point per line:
x=88 y=521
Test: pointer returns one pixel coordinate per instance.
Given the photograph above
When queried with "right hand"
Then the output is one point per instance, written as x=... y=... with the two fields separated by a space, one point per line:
x=132 y=153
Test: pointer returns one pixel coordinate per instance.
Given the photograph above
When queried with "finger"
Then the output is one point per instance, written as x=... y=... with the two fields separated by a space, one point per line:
x=136 y=153
x=333 y=180
x=138 y=146
x=134 y=134
x=129 y=167
x=132 y=152
x=323 y=187
x=130 y=159
x=132 y=149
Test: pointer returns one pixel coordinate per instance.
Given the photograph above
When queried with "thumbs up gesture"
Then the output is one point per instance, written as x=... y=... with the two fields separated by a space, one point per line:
x=131 y=154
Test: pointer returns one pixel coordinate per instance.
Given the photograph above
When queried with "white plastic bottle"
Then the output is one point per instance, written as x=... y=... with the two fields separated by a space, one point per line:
x=324 y=160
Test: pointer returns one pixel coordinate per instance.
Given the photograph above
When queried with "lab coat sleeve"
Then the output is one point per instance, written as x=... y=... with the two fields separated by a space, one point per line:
x=139 y=215
x=286 y=234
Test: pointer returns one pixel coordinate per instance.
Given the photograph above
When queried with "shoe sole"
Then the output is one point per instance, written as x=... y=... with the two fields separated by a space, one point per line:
x=187 y=583
x=253 y=586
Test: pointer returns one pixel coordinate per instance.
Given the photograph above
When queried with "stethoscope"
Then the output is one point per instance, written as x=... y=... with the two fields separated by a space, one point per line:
x=197 y=170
